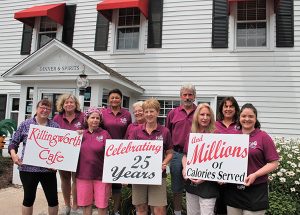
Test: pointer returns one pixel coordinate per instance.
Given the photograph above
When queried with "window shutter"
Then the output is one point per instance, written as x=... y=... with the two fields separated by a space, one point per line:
x=26 y=40
x=220 y=24
x=285 y=24
x=101 y=37
x=155 y=23
x=69 y=22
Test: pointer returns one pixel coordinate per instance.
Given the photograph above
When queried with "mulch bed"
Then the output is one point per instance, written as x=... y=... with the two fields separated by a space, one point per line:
x=6 y=172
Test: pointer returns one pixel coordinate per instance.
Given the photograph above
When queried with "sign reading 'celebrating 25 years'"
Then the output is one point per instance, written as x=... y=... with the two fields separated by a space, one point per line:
x=133 y=161
x=52 y=148
x=218 y=157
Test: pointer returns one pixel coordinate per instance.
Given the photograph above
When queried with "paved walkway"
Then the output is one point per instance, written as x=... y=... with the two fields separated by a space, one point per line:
x=11 y=201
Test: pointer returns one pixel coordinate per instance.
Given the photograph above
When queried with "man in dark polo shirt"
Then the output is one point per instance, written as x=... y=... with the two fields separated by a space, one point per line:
x=179 y=121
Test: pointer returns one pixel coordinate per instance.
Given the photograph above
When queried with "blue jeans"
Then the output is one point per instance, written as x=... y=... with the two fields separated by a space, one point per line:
x=177 y=181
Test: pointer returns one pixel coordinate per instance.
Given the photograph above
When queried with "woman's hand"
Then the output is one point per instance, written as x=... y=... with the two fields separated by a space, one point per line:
x=250 y=179
x=184 y=174
x=197 y=181
x=16 y=159
x=80 y=132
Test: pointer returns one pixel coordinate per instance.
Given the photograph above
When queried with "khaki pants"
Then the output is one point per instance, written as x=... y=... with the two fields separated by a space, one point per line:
x=237 y=211
x=199 y=206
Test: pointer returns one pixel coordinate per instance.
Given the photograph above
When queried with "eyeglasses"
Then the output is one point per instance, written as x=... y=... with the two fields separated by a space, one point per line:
x=45 y=108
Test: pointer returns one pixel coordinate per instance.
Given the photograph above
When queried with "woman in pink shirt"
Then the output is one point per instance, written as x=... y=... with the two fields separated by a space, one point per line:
x=226 y=123
x=69 y=117
x=200 y=194
x=116 y=120
x=138 y=113
x=252 y=197
x=90 y=188
x=227 y=116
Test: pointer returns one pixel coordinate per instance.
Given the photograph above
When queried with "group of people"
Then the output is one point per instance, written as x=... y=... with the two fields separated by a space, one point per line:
x=114 y=122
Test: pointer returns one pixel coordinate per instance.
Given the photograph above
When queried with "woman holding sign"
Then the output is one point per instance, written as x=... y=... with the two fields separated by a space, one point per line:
x=90 y=188
x=152 y=195
x=31 y=176
x=116 y=120
x=227 y=118
x=70 y=117
x=252 y=198
x=200 y=194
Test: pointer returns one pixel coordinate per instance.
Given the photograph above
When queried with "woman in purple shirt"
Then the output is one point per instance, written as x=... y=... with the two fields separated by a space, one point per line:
x=152 y=195
x=200 y=194
x=116 y=120
x=90 y=188
x=252 y=197
x=70 y=117
x=31 y=176
x=227 y=116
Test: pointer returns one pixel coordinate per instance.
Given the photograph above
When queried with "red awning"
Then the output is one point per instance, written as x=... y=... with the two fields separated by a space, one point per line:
x=54 y=12
x=106 y=6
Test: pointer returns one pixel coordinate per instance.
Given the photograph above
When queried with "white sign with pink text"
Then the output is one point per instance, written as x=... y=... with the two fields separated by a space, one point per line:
x=133 y=161
x=52 y=148
x=218 y=157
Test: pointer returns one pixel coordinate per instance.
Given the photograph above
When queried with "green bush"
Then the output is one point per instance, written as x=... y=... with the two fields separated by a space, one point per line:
x=285 y=181
x=281 y=204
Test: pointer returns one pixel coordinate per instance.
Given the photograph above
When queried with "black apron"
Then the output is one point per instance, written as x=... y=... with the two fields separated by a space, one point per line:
x=252 y=198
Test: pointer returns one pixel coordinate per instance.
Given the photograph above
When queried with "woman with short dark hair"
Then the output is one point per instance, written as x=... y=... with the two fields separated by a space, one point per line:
x=31 y=176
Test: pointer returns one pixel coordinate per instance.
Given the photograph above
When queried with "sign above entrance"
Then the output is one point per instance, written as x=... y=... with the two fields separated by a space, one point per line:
x=61 y=68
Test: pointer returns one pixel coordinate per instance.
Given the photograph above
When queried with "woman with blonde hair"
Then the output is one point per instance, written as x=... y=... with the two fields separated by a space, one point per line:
x=69 y=117
x=152 y=195
x=200 y=194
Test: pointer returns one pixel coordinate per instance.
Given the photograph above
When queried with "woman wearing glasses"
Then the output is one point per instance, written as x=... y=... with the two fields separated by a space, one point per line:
x=32 y=175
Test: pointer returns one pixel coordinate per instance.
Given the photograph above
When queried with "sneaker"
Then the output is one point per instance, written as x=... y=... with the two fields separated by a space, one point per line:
x=78 y=211
x=65 y=210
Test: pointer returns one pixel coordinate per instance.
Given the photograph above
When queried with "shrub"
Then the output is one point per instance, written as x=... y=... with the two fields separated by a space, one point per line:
x=285 y=181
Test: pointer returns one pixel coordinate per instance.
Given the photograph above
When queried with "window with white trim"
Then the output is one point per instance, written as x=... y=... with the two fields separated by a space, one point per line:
x=47 y=31
x=251 y=24
x=129 y=30
x=165 y=107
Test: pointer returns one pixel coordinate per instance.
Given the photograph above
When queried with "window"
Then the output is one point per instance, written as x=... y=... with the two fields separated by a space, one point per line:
x=251 y=24
x=165 y=107
x=14 y=112
x=128 y=29
x=3 y=99
x=87 y=98
x=47 y=31
x=29 y=102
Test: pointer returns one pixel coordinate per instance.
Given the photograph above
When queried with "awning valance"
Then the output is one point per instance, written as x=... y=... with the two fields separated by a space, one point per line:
x=106 y=6
x=54 y=12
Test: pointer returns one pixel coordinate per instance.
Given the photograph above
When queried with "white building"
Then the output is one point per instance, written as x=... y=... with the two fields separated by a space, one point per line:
x=249 y=49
